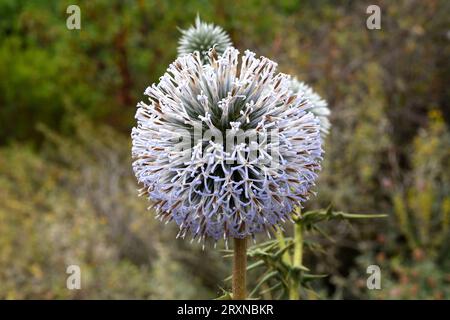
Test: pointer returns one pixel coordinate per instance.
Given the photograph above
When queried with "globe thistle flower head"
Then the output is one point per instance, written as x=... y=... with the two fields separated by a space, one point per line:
x=201 y=37
x=225 y=149
x=319 y=107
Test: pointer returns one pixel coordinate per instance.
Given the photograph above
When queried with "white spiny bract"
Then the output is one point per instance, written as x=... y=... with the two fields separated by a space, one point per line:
x=202 y=37
x=319 y=106
x=213 y=188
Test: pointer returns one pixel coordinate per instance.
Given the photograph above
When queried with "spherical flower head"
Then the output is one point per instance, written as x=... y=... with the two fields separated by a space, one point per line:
x=319 y=107
x=225 y=149
x=201 y=37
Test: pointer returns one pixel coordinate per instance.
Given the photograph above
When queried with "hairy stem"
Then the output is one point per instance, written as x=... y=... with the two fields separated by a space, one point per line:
x=239 y=269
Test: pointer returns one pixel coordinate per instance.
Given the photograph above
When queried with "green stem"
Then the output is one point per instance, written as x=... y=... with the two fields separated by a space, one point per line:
x=298 y=244
x=286 y=258
x=294 y=290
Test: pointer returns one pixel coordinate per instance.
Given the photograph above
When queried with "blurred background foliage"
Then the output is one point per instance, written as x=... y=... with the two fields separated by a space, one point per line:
x=67 y=104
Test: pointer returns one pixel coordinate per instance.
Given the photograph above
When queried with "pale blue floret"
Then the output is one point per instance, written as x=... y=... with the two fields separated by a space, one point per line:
x=222 y=189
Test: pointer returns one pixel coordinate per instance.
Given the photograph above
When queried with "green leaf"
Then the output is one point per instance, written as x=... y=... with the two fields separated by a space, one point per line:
x=264 y=279
x=306 y=277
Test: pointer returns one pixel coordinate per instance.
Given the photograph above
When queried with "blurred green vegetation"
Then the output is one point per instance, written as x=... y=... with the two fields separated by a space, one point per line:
x=67 y=102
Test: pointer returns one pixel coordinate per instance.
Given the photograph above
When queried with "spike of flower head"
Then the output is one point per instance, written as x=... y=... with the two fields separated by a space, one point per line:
x=319 y=106
x=225 y=149
x=201 y=37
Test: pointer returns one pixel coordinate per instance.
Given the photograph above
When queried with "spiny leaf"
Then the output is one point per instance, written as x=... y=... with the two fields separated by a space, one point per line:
x=264 y=279
x=306 y=277
x=272 y=288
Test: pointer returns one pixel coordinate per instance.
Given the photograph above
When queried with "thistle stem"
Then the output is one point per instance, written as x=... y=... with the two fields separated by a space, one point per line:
x=239 y=269
x=298 y=245
x=282 y=243
x=294 y=291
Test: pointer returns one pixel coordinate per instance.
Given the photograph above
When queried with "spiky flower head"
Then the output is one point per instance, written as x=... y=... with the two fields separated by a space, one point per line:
x=319 y=107
x=195 y=149
x=201 y=37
